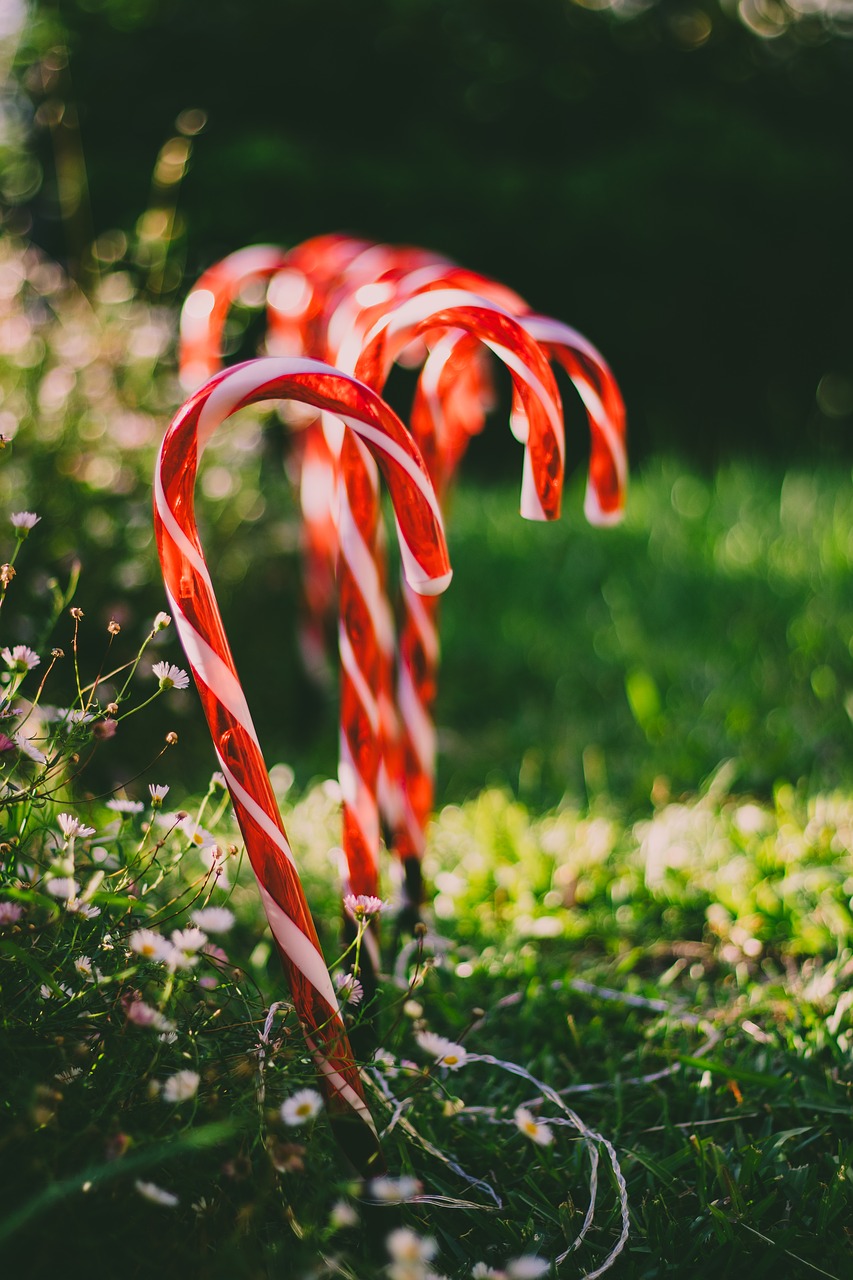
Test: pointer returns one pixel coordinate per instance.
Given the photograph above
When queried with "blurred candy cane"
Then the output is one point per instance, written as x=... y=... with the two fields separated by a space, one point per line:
x=429 y=315
x=443 y=434
x=206 y=308
x=297 y=283
x=199 y=625
x=371 y=283
x=592 y=378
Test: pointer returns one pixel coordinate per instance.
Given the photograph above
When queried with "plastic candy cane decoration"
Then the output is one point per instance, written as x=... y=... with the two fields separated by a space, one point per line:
x=206 y=308
x=298 y=282
x=199 y=624
x=442 y=433
x=429 y=314
x=591 y=376
x=439 y=309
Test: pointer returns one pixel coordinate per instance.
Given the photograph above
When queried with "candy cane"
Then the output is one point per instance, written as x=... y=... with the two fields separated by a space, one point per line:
x=428 y=313
x=368 y=285
x=605 y=408
x=206 y=308
x=443 y=434
x=199 y=625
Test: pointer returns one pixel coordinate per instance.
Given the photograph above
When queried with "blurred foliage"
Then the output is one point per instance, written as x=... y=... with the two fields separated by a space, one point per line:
x=672 y=178
x=715 y=623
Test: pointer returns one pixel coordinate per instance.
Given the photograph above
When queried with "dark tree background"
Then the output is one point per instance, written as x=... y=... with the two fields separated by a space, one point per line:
x=664 y=178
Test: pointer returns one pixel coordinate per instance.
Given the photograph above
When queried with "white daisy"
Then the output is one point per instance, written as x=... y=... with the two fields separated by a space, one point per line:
x=26 y=745
x=161 y=622
x=363 y=906
x=181 y=1086
x=301 y=1107
x=10 y=913
x=386 y=1062
x=66 y=715
x=23 y=521
x=188 y=940
x=447 y=1053
x=62 y=887
x=214 y=919
x=71 y=826
x=349 y=988
x=69 y=1075
x=394 y=1190
x=47 y=992
x=342 y=1214
x=532 y=1128
x=170 y=677
x=125 y=806
x=150 y=944
x=156 y=1194
x=177 y=959
x=527 y=1267
x=158 y=794
x=21 y=658
x=84 y=909
x=197 y=835
x=405 y=1245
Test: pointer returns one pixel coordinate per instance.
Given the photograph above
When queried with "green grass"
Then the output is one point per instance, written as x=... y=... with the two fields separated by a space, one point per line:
x=694 y=1007
x=642 y=862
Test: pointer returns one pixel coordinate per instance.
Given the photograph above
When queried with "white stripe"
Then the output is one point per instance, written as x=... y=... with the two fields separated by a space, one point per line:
x=215 y=673
x=545 y=329
x=341 y=1087
x=399 y=456
x=175 y=531
x=418 y=724
x=417 y=579
x=595 y=513
x=613 y=440
x=355 y=551
x=349 y=662
x=530 y=505
x=512 y=361
x=261 y=817
x=299 y=948
x=425 y=625
x=242 y=381
x=342 y=332
x=421 y=306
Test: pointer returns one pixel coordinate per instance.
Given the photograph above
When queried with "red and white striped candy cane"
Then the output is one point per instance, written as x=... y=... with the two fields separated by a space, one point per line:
x=297 y=300
x=429 y=314
x=592 y=378
x=442 y=433
x=365 y=289
x=206 y=308
x=434 y=310
x=199 y=625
